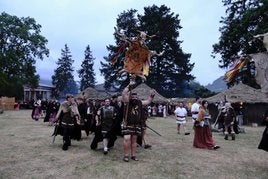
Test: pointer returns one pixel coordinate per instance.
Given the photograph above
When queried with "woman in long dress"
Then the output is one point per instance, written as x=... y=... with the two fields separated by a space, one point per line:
x=202 y=131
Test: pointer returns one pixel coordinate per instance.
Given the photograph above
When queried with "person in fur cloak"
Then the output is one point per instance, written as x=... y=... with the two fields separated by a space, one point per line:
x=68 y=112
x=229 y=120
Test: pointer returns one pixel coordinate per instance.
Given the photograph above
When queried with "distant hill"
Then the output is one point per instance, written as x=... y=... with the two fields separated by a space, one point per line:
x=45 y=82
x=218 y=85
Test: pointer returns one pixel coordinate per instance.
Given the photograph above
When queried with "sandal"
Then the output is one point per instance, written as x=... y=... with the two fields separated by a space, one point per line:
x=216 y=147
x=134 y=158
x=125 y=158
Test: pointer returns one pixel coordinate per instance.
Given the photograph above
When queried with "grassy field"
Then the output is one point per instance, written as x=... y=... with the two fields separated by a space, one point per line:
x=26 y=151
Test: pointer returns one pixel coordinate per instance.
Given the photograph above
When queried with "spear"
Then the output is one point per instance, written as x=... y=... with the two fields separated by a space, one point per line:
x=132 y=81
x=153 y=130
x=57 y=127
x=55 y=133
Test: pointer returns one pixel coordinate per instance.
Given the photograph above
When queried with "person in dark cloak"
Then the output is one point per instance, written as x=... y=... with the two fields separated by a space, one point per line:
x=141 y=140
x=116 y=128
x=91 y=114
x=229 y=120
x=82 y=108
x=48 y=111
x=263 y=145
x=68 y=116
x=105 y=118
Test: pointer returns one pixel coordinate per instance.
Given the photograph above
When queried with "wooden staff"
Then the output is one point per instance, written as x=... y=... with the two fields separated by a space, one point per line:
x=132 y=82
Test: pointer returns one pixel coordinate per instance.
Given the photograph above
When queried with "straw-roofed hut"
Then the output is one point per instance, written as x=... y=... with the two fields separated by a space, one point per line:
x=240 y=93
x=92 y=94
x=186 y=101
x=144 y=92
x=249 y=101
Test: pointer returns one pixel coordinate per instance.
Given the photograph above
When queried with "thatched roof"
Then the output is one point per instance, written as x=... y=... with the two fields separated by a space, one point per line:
x=144 y=92
x=176 y=101
x=240 y=93
x=91 y=93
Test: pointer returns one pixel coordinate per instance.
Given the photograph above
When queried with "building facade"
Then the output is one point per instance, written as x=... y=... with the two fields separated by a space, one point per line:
x=43 y=91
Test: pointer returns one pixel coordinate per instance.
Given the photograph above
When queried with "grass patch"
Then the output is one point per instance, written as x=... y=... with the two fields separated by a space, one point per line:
x=26 y=152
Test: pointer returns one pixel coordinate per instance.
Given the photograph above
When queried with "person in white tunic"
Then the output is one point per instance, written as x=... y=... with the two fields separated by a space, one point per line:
x=181 y=113
x=195 y=108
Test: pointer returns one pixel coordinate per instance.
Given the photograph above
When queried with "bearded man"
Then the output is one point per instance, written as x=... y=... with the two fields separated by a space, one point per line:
x=132 y=120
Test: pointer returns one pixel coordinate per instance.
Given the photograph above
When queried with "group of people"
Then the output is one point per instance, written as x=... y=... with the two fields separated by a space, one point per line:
x=201 y=117
x=201 y=120
x=45 y=108
x=227 y=120
x=157 y=110
x=127 y=118
x=107 y=121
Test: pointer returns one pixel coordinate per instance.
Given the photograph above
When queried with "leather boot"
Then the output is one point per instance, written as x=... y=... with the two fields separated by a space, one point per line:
x=65 y=146
x=226 y=136
x=233 y=136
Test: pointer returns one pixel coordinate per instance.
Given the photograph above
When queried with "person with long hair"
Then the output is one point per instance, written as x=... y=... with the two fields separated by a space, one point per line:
x=202 y=131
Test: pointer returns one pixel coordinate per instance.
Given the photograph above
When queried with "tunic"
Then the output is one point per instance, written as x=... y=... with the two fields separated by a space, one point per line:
x=180 y=113
x=132 y=118
x=107 y=118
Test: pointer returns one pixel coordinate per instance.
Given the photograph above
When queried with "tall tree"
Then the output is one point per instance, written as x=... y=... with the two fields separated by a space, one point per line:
x=128 y=22
x=169 y=72
x=86 y=73
x=20 y=45
x=245 y=18
x=63 y=78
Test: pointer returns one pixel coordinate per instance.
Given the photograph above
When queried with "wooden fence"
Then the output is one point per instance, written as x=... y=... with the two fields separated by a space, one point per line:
x=7 y=103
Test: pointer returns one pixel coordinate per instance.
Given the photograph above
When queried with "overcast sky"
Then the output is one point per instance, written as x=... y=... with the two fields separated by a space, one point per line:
x=79 y=23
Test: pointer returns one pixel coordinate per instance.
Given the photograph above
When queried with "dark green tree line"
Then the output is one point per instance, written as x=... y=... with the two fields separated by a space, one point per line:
x=20 y=45
x=86 y=73
x=63 y=78
x=170 y=73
